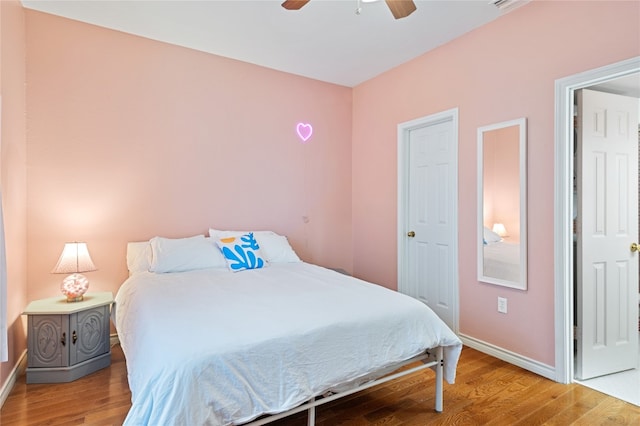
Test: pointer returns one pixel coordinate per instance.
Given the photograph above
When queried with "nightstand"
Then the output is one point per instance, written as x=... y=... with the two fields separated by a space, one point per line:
x=65 y=340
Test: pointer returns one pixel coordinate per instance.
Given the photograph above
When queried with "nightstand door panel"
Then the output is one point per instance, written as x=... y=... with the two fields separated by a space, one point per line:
x=89 y=334
x=48 y=340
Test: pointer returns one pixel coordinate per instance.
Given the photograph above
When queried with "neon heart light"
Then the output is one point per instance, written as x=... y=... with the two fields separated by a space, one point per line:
x=304 y=131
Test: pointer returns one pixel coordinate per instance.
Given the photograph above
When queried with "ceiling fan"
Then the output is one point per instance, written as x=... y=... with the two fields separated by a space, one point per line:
x=399 y=8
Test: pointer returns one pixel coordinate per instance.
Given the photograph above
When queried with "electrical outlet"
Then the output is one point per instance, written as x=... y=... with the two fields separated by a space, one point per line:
x=502 y=305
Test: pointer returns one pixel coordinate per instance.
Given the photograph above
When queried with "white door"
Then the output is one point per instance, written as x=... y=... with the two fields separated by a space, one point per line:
x=607 y=225
x=430 y=231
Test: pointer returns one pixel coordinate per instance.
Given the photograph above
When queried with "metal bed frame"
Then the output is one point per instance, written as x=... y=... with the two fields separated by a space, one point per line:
x=429 y=358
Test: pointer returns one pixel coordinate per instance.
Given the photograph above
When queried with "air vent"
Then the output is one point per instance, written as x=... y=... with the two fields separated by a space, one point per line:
x=507 y=5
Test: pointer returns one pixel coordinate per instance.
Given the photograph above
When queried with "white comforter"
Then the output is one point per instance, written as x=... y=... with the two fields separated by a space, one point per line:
x=217 y=347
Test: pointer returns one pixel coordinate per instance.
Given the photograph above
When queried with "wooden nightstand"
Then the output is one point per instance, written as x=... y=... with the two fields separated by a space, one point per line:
x=67 y=340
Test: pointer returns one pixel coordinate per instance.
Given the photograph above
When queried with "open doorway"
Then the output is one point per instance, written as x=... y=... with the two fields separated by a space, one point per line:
x=563 y=206
x=605 y=212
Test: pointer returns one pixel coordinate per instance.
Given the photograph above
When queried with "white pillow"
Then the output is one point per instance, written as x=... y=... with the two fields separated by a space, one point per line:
x=138 y=256
x=184 y=254
x=275 y=248
x=490 y=236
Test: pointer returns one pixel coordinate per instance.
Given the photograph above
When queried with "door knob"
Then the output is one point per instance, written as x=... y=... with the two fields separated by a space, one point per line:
x=634 y=247
x=411 y=234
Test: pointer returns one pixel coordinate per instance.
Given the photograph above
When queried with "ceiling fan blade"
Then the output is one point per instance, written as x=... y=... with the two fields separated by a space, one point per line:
x=401 y=8
x=294 y=4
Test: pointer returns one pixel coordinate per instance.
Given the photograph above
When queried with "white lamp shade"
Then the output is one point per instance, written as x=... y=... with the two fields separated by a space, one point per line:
x=74 y=258
x=499 y=229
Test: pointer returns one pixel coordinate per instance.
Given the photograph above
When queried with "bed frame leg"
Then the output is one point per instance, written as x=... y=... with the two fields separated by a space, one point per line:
x=311 y=415
x=439 y=371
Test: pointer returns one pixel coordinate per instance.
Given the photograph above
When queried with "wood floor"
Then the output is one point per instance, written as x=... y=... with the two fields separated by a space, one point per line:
x=487 y=392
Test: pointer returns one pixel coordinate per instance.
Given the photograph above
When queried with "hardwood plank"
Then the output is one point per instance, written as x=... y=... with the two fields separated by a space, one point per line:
x=487 y=392
x=610 y=411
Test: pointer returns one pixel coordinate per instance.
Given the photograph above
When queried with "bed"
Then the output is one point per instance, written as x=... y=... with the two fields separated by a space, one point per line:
x=207 y=345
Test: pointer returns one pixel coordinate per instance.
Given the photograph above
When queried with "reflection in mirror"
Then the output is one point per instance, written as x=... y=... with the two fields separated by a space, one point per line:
x=502 y=204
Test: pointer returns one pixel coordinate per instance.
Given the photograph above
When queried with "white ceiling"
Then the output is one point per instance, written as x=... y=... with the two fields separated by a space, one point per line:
x=627 y=86
x=325 y=40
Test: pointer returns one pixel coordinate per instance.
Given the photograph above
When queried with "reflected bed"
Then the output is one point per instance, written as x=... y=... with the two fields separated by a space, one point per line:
x=502 y=261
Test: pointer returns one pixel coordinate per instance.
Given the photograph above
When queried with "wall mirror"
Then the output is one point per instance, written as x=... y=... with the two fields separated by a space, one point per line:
x=502 y=204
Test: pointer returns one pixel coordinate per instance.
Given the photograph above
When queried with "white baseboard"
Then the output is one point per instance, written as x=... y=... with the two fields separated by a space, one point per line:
x=534 y=366
x=13 y=377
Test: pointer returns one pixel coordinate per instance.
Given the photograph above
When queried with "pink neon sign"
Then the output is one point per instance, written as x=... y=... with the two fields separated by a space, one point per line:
x=304 y=131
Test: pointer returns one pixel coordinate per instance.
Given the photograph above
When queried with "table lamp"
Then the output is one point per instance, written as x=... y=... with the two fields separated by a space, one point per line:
x=74 y=259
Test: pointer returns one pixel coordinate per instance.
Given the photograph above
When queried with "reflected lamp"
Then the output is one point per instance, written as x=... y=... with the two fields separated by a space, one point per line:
x=499 y=229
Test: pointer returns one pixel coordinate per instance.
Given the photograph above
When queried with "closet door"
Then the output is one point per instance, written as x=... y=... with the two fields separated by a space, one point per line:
x=607 y=272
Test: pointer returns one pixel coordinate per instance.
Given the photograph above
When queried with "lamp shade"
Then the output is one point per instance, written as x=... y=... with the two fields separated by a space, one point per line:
x=499 y=229
x=74 y=258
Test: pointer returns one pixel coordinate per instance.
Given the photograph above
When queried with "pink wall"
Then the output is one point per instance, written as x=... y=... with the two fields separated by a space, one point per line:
x=13 y=181
x=131 y=138
x=501 y=71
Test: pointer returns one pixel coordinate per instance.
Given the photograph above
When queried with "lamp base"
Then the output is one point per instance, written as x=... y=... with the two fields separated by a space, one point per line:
x=74 y=287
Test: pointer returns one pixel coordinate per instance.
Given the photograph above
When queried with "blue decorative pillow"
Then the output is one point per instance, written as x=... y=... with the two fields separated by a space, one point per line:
x=241 y=252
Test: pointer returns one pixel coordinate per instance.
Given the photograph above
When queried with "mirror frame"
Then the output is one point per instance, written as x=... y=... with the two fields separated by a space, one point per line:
x=522 y=151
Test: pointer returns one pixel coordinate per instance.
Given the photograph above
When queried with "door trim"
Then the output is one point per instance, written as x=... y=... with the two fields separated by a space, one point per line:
x=403 y=198
x=563 y=209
